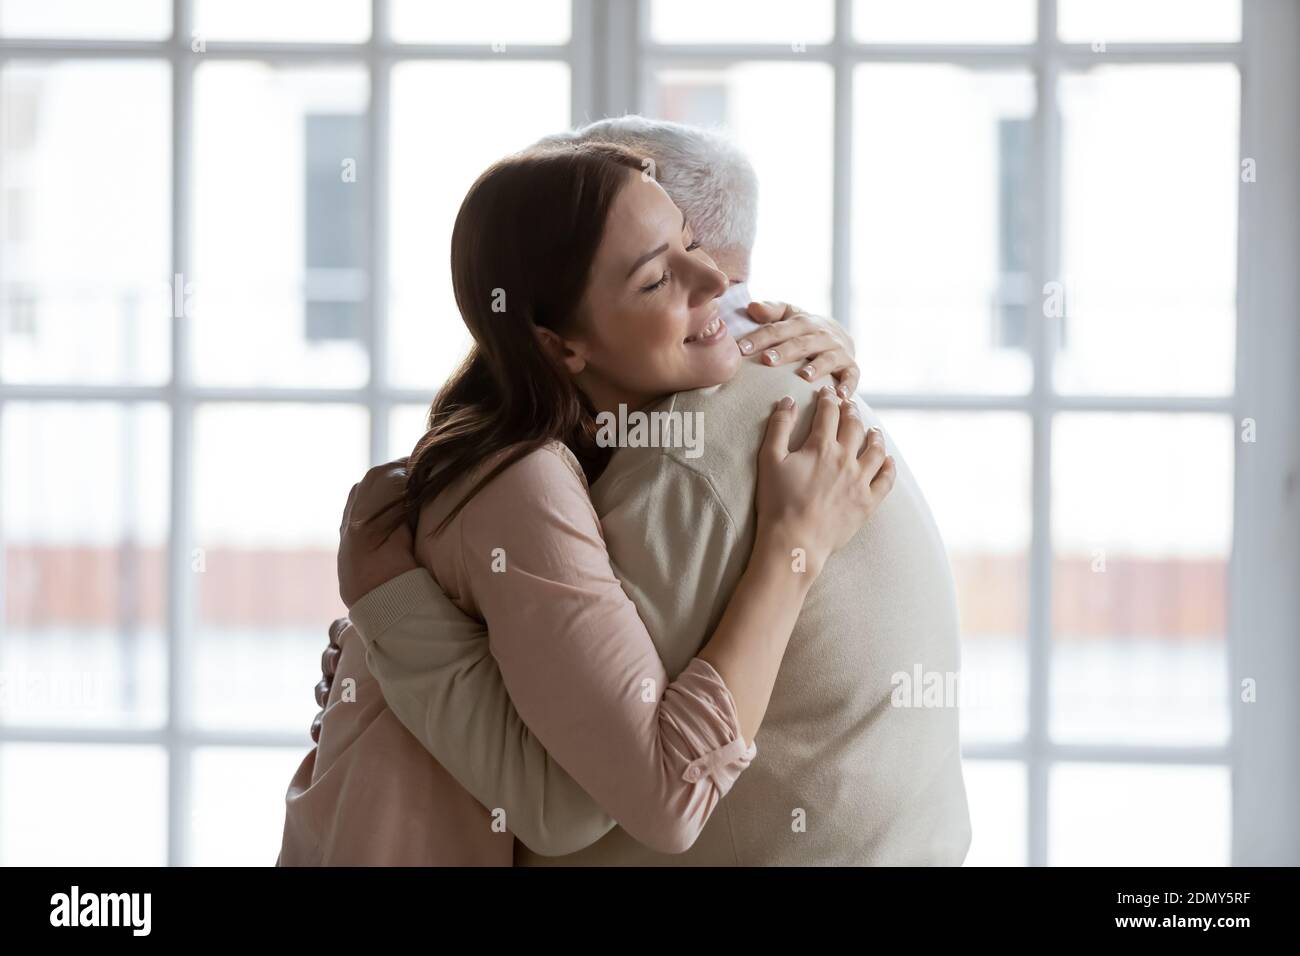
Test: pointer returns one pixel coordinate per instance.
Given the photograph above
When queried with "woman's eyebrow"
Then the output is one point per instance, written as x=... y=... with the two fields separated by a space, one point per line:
x=652 y=253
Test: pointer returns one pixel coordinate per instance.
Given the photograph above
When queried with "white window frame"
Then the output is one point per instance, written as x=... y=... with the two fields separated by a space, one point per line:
x=611 y=58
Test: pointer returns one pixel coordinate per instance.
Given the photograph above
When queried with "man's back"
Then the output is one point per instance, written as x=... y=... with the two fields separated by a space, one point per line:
x=842 y=776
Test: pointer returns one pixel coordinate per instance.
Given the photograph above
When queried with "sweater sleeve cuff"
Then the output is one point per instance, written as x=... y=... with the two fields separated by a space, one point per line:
x=380 y=609
x=707 y=728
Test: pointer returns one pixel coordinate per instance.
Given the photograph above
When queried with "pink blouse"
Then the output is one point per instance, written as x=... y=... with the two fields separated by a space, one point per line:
x=525 y=555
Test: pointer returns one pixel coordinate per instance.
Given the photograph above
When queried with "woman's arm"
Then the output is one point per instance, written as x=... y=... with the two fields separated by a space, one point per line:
x=694 y=726
x=441 y=681
x=579 y=665
x=578 y=662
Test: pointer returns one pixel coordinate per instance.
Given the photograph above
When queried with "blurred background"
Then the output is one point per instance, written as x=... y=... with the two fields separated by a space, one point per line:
x=1062 y=232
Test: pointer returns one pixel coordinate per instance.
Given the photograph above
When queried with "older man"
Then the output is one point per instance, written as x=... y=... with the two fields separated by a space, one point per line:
x=848 y=771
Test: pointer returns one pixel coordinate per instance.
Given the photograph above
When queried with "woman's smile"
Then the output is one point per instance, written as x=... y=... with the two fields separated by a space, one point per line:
x=711 y=334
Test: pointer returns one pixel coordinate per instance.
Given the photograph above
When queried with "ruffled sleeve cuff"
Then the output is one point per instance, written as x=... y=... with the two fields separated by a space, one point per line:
x=702 y=728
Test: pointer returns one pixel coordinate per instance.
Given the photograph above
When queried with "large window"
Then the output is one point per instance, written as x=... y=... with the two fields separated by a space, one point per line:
x=1031 y=223
x=223 y=235
x=223 y=291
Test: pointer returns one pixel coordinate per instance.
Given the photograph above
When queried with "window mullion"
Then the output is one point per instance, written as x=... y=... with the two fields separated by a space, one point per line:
x=377 y=138
x=1045 y=158
x=842 y=169
x=181 y=407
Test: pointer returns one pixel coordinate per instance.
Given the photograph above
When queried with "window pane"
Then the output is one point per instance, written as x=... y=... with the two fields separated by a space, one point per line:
x=996 y=792
x=82 y=641
x=1139 y=815
x=238 y=811
x=792 y=254
x=983 y=514
x=270 y=485
x=279 y=225
x=1136 y=21
x=485 y=21
x=944 y=21
x=83 y=805
x=327 y=21
x=742 y=21
x=943 y=225
x=86 y=19
x=405 y=428
x=1149 y=231
x=1142 y=531
x=85 y=222
x=513 y=105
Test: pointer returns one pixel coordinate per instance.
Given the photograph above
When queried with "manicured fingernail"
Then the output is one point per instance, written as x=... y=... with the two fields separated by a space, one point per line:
x=787 y=402
x=746 y=346
x=806 y=372
x=844 y=391
x=771 y=355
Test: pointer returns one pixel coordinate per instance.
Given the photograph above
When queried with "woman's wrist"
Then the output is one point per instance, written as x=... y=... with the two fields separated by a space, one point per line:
x=783 y=551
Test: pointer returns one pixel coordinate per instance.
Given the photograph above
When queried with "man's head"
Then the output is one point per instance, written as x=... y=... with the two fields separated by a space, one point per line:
x=703 y=172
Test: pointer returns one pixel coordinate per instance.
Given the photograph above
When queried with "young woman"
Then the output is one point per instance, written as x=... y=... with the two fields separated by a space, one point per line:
x=584 y=290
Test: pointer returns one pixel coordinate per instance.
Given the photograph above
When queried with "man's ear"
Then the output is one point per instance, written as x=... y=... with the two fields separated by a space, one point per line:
x=563 y=352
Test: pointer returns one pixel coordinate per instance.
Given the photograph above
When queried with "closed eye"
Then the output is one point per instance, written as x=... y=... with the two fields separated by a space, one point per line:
x=668 y=273
x=660 y=284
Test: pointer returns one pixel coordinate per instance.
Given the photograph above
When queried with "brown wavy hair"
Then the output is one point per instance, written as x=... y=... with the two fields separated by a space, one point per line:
x=521 y=256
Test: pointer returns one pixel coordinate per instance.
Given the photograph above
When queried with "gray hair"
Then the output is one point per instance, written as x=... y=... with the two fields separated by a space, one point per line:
x=702 y=170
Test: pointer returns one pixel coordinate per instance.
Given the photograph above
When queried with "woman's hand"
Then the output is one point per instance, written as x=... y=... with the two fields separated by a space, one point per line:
x=329 y=666
x=816 y=498
x=810 y=502
x=368 y=558
x=792 y=335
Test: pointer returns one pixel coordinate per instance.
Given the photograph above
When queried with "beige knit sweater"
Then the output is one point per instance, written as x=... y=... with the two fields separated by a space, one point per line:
x=848 y=769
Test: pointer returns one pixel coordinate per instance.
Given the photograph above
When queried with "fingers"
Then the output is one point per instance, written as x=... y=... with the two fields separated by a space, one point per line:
x=883 y=483
x=776 y=442
x=826 y=420
x=329 y=666
x=853 y=430
x=329 y=662
x=788 y=340
x=834 y=363
x=796 y=348
x=336 y=631
x=768 y=311
x=847 y=379
x=873 y=455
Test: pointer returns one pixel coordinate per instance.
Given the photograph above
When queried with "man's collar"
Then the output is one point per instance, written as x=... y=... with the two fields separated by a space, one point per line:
x=733 y=304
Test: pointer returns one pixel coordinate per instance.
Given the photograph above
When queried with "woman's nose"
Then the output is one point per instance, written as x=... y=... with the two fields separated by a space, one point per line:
x=710 y=282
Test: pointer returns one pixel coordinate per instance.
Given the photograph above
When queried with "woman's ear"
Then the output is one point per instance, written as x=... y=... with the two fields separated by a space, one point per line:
x=568 y=354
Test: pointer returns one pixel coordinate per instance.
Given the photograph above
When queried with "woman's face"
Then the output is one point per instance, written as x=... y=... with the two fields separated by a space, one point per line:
x=652 y=324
